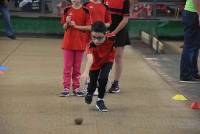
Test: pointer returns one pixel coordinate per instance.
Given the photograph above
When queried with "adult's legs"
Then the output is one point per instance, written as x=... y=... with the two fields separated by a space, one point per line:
x=187 y=64
x=6 y=18
x=195 y=69
x=118 y=69
x=118 y=63
x=189 y=55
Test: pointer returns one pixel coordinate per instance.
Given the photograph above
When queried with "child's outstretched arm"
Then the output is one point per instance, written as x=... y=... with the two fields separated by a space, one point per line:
x=88 y=66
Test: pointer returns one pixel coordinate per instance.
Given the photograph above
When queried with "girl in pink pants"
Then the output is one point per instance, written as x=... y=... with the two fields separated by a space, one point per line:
x=72 y=65
x=75 y=21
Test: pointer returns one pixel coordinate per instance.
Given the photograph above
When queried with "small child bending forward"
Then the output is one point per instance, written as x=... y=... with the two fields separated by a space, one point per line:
x=101 y=55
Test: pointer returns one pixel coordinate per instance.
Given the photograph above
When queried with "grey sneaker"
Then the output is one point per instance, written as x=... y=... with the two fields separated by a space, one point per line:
x=101 y=106
x=79 y=93
x=114 y=88
x=64 y=94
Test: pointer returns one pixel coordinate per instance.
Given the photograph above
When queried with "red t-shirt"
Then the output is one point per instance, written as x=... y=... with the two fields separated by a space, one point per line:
x=75 y=39
x=102 y=54
x=99 y=12
x=118 y=7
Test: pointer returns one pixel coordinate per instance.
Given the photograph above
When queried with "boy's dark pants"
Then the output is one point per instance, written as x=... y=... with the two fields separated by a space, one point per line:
x=100 y=75
x=189 y=57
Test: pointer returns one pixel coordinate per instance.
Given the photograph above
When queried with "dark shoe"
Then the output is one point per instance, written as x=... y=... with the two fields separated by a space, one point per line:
x=114 y=88
x=79 y=93
x=13 y=37
x=193 y=80
x=64 y=94
x=88 y=98
x=197 y=76
x=101 y=106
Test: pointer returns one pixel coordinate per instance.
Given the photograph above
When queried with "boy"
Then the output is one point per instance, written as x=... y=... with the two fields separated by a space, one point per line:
x=75 y=21
x=100 y=59
x=98 y=12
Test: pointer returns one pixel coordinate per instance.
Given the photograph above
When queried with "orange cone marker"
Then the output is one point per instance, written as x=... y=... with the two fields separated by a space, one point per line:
x=195 y=105
x=2 y=73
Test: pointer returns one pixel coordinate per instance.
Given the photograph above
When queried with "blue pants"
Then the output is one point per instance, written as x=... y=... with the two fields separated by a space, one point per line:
x=6 y=17
x=189 y=57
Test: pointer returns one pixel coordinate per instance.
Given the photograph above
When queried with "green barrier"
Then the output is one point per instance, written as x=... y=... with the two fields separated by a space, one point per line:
x=36 y=25
x=158 y=28
x=49 y=25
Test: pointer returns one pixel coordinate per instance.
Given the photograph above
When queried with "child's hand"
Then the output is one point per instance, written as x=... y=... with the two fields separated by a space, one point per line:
x=72 y=24
x=112 y=34
x=68 y=19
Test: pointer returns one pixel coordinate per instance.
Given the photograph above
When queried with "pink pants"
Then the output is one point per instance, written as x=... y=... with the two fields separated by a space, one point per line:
x=72 y=67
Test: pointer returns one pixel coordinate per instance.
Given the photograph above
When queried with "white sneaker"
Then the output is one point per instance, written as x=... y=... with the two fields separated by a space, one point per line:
x=96 y=92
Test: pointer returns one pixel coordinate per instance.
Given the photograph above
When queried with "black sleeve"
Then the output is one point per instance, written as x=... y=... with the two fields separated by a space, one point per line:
x=86 y=10
x=66 y=9
x=85 y=4
x=126 y=6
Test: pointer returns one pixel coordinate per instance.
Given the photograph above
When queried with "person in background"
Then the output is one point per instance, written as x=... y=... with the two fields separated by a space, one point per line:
x=120 y=15
x=189 y=72
x=6 y=18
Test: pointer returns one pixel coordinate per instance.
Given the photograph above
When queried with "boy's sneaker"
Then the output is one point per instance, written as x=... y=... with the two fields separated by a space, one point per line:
x=79 y=93
x=64 y=94
x=101 y=106
x=114 y=88
x=88 y=98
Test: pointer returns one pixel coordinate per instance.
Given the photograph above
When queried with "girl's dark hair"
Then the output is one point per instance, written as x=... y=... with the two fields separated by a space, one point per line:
x=99 y=27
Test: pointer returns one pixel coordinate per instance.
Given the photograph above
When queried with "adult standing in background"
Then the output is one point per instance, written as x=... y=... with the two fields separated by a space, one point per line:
x=6 y=17
x=189 y=59
x=120 y=15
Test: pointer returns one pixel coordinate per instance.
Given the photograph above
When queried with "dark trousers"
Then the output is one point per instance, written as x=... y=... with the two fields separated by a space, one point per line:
x=100 y=76
x=189 y=57
x=6 y=18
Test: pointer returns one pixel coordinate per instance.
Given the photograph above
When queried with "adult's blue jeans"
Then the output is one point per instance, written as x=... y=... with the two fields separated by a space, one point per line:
x=6 y=17
x=189 y=57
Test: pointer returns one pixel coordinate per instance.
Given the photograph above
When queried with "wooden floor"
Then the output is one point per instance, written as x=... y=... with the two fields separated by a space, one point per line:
x=29 y=102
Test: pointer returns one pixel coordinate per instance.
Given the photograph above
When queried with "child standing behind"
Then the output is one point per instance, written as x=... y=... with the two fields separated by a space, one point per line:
x=75 y=21
x=99 y=12
x=100 y=59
